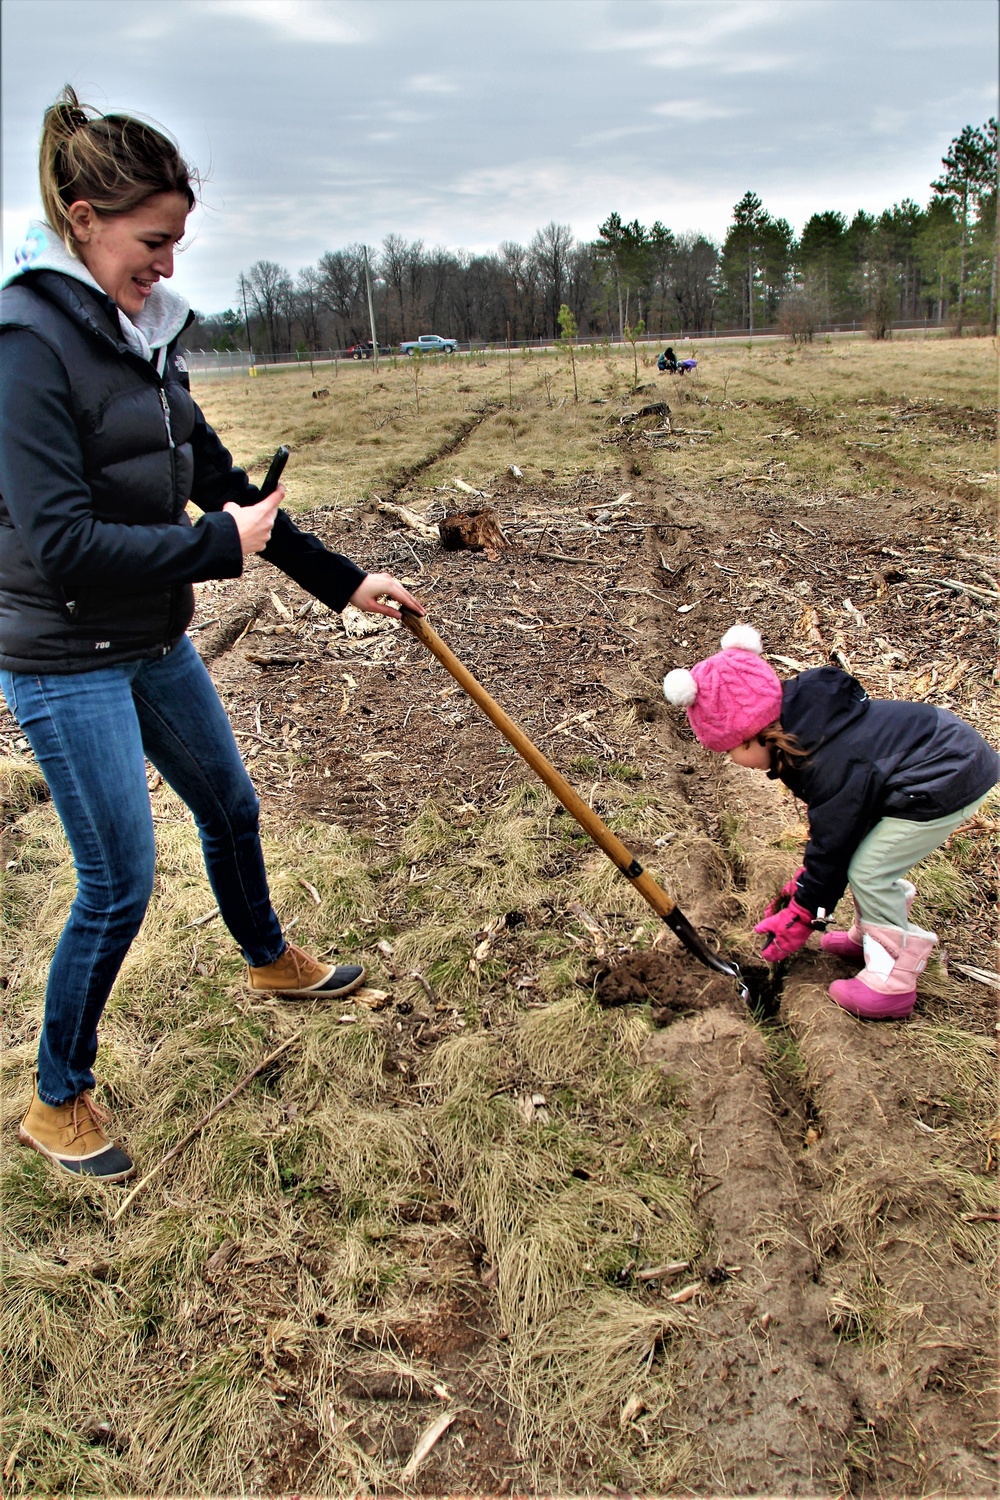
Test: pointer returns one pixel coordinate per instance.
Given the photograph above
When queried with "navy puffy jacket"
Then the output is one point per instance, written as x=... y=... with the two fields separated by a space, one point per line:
x=869 y=759
x=98 y=459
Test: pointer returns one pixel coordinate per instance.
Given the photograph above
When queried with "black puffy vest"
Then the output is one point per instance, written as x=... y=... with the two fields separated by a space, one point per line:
x=135 y=474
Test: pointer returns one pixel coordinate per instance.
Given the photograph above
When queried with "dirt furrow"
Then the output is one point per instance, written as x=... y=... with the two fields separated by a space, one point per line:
x=768 y=1397
x=903 y=1267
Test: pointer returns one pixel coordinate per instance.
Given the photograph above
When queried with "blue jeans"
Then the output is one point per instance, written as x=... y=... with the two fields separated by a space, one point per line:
x=90 y=732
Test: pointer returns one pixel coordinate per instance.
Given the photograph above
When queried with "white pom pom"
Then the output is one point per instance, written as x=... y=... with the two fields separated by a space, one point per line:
x=745 y=637
x=679 y=687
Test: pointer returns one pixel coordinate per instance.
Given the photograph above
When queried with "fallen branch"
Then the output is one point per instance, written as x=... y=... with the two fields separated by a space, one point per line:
x=199 y=1127
x=409 y=518
x=957 y=587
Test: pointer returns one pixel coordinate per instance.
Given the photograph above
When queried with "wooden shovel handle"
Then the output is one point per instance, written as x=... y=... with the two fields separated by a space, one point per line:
x=598 y=830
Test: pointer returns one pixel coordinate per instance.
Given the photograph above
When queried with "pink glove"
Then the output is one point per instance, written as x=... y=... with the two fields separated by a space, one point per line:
x=789 y=930
x=786 y=893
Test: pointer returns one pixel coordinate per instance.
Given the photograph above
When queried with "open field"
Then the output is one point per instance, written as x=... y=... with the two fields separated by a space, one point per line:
x=547 y=1177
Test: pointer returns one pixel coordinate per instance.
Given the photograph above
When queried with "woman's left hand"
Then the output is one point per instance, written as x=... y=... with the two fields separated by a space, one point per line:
x=368 y=596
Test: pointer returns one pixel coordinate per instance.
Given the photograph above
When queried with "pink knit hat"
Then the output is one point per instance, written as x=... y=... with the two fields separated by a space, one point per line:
x=730 y=697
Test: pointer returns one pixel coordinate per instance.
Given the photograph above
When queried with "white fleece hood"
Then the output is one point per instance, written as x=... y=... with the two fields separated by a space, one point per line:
x=163 y=316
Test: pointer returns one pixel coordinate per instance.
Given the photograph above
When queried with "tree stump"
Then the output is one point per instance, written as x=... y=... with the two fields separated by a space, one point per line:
x=472 y=531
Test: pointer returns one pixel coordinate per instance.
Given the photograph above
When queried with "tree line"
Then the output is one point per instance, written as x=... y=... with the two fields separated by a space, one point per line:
x=937 y=262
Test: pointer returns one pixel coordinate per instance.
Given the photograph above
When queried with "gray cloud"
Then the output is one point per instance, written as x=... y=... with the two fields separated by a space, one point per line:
x=465 y=122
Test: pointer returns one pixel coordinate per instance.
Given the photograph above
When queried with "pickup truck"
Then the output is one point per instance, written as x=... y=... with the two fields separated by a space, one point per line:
x=429 y=343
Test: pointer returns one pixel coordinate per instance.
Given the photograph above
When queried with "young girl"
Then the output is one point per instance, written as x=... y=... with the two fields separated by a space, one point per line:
x=885 y=784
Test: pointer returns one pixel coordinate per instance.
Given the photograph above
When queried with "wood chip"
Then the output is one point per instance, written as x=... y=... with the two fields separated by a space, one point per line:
x=634 y=1407
x=597 y=934
x=426 y=1442
x=220 y=1258
x=686 y=1292
x=372 y=998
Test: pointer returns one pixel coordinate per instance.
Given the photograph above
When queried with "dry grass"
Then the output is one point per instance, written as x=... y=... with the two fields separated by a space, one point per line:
x=339 y=1187
x=796 y=414
x=319 y=1174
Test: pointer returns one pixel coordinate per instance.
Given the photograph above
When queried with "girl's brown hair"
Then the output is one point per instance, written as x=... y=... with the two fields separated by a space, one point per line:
x=787 y=753
x=112 y=162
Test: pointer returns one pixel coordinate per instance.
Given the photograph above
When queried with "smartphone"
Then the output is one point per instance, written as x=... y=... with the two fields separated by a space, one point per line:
x=278 y=463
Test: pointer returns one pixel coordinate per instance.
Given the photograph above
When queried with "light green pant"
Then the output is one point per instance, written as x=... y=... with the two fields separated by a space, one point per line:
x=884 y=856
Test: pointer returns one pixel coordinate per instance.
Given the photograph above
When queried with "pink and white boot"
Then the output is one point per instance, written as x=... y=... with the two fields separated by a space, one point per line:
x=847 y=945
x=886 y=988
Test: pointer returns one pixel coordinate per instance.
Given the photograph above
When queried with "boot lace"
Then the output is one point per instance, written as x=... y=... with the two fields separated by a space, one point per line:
x=90 y=1118
x=305 y=967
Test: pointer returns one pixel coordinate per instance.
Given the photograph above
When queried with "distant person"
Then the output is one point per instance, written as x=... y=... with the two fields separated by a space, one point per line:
x=101 y=448
x=885 y=783
x=668 y=362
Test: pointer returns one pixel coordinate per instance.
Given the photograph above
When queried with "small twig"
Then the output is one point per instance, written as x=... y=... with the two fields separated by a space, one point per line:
x=416 y=974
x=957 y=587
x=591 y=562
x=209 y=916
x=982 y=976
x=255 y=734
x=199 y=1127
x=659 y=1273
x=410 y=549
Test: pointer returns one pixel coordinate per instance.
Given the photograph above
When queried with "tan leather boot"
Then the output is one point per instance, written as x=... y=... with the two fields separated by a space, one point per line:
x=72 y=1135
x=297 y=976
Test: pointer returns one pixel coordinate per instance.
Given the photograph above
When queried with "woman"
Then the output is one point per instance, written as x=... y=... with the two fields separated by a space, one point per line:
x=101 y=448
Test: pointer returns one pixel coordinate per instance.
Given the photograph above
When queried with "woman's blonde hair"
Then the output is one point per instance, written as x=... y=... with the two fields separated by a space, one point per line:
x=112 y=162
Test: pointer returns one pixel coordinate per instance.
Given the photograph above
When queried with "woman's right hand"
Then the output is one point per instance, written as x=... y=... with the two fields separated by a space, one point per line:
x=254 y=522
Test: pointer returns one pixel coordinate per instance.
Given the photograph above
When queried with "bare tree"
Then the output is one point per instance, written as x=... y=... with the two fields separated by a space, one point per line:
x=268 y=288
x=341 y=274
x=309 y=306
x=549 y=249
x=694 y=273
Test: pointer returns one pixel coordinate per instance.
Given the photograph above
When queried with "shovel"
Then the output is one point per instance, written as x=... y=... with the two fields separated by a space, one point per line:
x=613 y=847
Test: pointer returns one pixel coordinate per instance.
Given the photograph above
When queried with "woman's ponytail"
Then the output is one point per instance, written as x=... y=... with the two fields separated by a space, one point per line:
x=112 y=162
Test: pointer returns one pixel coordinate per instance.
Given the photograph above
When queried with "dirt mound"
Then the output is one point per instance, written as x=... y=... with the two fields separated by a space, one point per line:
x=673 y=984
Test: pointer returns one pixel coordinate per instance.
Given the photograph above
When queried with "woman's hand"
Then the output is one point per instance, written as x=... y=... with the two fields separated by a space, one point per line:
x=254 y=522
x=367 y=596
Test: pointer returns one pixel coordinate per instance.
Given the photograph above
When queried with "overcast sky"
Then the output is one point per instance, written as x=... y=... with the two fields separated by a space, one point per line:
x=467 y=122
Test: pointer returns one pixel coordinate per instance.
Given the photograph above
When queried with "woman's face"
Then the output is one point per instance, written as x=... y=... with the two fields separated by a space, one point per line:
x=127 y=254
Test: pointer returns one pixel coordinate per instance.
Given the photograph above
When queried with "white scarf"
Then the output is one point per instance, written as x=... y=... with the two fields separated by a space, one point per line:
x=158 y=324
